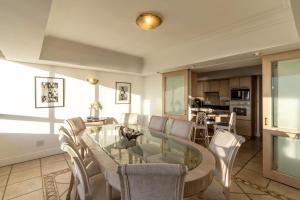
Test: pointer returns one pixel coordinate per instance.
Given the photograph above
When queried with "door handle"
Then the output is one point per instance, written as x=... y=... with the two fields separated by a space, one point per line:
x=266 y=121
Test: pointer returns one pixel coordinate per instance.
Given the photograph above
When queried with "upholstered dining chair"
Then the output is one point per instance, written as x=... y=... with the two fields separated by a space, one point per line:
x=224 y=145
x=68 y=145
x=152 y=181
x=201 y=124
x=182 y=129
x=129 y=119
x=157 y=123
x=76 y=126
x=231 y=126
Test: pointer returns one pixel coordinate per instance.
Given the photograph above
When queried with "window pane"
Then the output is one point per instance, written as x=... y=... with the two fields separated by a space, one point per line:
x=285 y=94
x=174 y=95
x=286 y=155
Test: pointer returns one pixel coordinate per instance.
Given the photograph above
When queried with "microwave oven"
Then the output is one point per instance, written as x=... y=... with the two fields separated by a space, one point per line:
x=240 y=94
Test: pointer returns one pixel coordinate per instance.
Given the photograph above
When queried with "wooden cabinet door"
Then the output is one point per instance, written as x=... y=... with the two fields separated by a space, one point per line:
x=200 y=89
x=234 y=83
x=214 y=86
x=245 y=82
x=244 y=127
x=206 y=86
x=224 y=88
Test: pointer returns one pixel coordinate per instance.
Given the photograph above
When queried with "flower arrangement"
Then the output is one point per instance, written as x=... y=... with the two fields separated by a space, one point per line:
x=95 y=106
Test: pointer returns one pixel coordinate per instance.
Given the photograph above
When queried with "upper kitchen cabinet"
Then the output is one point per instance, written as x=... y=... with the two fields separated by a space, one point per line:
x=234 y=83
x=214 y=86
x=245 y=82
x=224 y=88
x=206 y=86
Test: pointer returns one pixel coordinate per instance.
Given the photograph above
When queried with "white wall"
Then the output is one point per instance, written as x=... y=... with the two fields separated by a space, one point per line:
x=22 y=125
x=153 y=95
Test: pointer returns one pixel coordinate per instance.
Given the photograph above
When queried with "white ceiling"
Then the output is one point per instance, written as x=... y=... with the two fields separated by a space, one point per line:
x=111 y=24
x=102 y=34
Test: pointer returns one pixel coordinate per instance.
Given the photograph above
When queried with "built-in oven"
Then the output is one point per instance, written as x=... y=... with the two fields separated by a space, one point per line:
x=240 y=94
x=242 y=109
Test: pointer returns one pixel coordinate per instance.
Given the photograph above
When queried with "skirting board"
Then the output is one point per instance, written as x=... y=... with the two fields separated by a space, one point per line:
x=31 y=156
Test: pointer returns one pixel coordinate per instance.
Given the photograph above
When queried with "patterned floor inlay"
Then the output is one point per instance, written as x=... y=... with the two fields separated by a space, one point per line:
x=54 y=188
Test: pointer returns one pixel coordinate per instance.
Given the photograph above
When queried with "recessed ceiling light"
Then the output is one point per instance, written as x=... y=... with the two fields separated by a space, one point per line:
x=148 y=21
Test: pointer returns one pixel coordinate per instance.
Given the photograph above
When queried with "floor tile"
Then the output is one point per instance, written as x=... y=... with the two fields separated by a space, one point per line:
x=25 y=165
x=284 y=190
x=254 y=166
x=5 y=170
x=234 y=196
x=53 y=167
x=1 y=192
x=262 y=197
x=24 y=175
x=63 y=178
x=3 y=180
x=235 y=188
x=53 y=159
x=251 y=188
x=36 y=195
x=253 y=177
x=21 y=188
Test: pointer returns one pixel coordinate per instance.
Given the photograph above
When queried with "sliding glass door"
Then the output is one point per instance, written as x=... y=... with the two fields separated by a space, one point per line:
x=281 y=110
x=175 y=94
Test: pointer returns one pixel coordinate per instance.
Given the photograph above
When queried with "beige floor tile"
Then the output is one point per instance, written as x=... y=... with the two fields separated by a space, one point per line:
x=234 y=196
x=25 y=165
x=284 y=190
x=53 y=159
x=3 y=180
x=36 y=195
x=251 y=189
x=53 y=167
x=63 y=178
x=5 y=170
x=62 y=188
x=24 y=175
x=1 y=192
x=253 y=177
x=254 y=166
x=262 y=197
x=235 y=188
x=21 y=188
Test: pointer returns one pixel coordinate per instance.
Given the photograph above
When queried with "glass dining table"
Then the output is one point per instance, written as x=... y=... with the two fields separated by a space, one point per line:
x=110 y=149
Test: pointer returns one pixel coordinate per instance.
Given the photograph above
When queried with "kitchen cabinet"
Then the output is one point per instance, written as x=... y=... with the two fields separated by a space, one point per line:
x=234 y=83
x=200 y=89
x=244 y=127
x=214 y=86
x=245 y=82
x=224 y=88
x=206 y=86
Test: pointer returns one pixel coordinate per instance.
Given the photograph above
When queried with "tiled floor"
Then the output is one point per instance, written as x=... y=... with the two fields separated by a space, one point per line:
x=39 y=179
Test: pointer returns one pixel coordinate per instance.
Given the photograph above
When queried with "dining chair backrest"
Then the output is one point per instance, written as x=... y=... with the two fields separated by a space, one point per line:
x=225 y=145
x=76 y=124
x=232 y=120
x=152 y=181
x=201 y=119
x=182 y=128
x=168 y=126
x=129 y=119
x=157 y=123
x=65 y=139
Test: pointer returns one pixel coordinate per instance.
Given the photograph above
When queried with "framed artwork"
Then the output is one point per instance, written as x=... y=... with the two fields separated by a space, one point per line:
x=123 y=93
x=49 y=92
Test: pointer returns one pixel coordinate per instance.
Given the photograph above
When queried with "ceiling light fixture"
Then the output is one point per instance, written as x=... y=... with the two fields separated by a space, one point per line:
x=148 y=21
x=92 y=81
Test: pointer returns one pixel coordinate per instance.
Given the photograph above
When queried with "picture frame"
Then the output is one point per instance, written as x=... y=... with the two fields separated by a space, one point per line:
x=49 y=92
x=123 y=93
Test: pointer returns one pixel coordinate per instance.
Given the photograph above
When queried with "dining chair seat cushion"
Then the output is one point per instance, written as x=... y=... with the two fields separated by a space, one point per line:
x=222 y=124
x=200 y=127
x=98 y=184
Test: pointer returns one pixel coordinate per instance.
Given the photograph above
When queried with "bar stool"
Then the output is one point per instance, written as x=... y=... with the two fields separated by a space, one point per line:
x=231 y=126
x=201 y=124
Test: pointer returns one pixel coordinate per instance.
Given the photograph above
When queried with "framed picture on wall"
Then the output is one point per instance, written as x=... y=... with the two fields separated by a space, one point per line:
x=123 y=93
x=49 y=92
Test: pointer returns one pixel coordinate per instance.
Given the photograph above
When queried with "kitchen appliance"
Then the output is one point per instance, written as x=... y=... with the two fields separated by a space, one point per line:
x=240 y=94
x=196 y=103
x=242 y=109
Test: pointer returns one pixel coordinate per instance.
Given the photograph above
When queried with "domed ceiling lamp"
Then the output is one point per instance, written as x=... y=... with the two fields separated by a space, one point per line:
x=92 y=81
x=148 y=21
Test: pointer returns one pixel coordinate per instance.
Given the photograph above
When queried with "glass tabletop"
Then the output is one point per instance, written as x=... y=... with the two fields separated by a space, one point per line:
x=150 y=147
